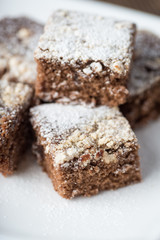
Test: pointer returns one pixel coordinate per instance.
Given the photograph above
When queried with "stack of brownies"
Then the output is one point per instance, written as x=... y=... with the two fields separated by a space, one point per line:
x=87 y=66
x=18 y=39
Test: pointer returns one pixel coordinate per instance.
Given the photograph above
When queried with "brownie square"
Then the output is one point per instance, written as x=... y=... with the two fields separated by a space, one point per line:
x=85 y=150
x=84 y=58
x=144 y=84
x=15 y=100
x=18 y=39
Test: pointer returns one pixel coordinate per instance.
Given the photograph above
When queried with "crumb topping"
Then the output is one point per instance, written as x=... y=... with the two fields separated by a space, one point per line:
x=74 y=36
x=67 y=131
x=14 y=95
x=146 y=66
x=18 y=40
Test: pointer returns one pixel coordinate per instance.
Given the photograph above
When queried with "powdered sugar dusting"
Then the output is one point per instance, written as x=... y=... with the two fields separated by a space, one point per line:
x=73 y=36
x=58 y=118
x=68 y=131
x=146 y=66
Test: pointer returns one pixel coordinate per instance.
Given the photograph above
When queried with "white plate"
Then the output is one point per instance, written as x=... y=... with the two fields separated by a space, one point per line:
x=31 y=209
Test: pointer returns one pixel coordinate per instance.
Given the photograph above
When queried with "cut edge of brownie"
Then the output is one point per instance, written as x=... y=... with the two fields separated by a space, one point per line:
x=95 y=89
x=144 y=107
x=15 y=128
x=18 y=140
x=70 y=181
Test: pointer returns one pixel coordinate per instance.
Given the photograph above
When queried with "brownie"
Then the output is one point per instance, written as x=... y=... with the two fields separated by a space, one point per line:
x=84 y=58
x=18 y=39
x=144 y=84
x=85 y=150
x=15 y=100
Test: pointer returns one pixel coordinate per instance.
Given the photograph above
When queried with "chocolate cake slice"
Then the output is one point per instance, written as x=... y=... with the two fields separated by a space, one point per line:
x=144 y=84
x=85 y=150
x=84 y=58
x=15 y=100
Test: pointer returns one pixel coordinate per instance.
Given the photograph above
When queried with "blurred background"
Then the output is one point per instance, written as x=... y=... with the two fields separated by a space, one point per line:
x=150 y=6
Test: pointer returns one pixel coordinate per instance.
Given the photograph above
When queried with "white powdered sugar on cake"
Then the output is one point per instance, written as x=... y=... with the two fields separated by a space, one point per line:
x=62 y=118
x=68 y=130
x=73 y=36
